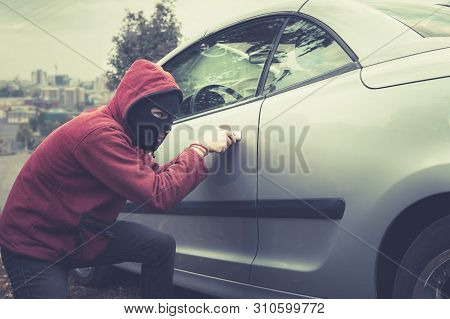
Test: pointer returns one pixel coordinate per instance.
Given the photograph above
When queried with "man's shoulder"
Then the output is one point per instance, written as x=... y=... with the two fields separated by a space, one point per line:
x=94 y=119
x=91 y=123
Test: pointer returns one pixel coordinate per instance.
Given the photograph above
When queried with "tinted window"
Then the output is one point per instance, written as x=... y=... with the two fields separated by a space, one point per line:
x=427 y=20
x=225 y=68
x=305 y=51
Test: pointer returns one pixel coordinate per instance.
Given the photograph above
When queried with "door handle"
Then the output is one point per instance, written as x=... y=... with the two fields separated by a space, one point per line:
x=238 y=135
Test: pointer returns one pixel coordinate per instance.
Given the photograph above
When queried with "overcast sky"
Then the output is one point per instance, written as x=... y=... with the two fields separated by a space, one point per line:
x=88 y=26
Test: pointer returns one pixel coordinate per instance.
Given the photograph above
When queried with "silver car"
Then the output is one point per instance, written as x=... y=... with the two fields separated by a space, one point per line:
x=340 y=186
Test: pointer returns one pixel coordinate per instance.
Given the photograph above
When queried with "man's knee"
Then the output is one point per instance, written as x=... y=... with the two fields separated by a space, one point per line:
x=167 y=243
x=165 y=246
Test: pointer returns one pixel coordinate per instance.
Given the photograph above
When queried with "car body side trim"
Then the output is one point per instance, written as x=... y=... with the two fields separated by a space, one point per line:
x=219 y=287
x=203 y=208
x=327 y=208
x=227 y=288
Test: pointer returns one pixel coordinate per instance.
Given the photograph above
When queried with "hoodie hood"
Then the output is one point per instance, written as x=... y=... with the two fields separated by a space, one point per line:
x=142 y=79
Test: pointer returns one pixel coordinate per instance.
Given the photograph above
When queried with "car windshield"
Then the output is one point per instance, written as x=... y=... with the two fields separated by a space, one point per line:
x=427 y=20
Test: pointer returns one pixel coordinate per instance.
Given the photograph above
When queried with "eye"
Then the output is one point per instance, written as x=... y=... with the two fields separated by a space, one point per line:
x=160 y=114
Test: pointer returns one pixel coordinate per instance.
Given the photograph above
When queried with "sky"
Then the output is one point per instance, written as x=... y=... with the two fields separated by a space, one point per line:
x=86 y=28
x=78 y=33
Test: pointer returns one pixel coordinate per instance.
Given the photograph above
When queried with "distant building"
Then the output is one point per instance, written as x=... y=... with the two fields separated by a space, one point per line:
x=21 y=114
x=100 y=98
x=51 y=94
x=56 y=115
x=100 y=93
x=62 y=80
x=100 y=83
x=75 y=82
x=51 y=80
x=39 y=77
x=74 y=98
x=70 y=98
x=87 y=85
x=6 y=102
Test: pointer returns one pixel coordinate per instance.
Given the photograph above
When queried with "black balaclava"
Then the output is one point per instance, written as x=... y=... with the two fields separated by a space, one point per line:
x=144 y=126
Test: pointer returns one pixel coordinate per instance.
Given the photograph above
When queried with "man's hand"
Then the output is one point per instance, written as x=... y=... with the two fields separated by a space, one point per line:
x=218 y=141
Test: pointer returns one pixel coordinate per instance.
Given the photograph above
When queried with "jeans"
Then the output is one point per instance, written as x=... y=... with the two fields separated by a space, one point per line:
x=132 y=242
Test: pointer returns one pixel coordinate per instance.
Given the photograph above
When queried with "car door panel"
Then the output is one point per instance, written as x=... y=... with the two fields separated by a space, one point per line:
x=301 y=199
x=300 y=212
x=215 y=226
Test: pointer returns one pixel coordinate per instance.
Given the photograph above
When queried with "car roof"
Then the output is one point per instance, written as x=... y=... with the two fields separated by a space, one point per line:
x=375 y=33
x=248 y=10
x=367 y=31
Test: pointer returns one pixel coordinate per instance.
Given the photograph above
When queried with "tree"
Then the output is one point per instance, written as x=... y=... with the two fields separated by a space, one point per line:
x=34 y=124
x=25 y=135
x=140 y=37
x=48 y=126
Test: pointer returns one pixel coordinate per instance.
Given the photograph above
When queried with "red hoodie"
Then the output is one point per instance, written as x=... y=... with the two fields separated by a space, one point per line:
x=89 y=166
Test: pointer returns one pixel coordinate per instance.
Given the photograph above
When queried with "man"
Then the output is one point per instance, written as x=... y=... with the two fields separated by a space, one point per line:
x=62 y=209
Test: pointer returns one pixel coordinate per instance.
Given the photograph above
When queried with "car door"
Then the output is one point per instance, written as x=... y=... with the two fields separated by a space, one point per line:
x=215 y=226
x=299 y=192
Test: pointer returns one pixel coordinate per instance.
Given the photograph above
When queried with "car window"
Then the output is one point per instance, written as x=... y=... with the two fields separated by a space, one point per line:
x=305 y=51
x=226 y=67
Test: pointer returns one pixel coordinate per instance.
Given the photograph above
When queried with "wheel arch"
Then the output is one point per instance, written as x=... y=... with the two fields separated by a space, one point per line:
x=400 y=234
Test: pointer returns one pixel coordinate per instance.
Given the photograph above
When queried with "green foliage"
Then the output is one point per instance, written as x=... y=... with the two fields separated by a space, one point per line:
x=34 y=124
x=47 y=122
x=25 y=135
x=48 y=126
x=140 y=37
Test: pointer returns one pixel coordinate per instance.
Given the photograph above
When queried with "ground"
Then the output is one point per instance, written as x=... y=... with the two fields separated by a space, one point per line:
x=5 y=287
x=125 y=284
x=125 y=287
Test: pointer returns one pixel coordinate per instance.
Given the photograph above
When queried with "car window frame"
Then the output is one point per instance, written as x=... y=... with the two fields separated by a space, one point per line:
x=240 y=23
x=351 y=66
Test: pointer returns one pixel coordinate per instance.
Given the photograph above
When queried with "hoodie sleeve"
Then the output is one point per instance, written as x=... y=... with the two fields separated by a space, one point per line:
x=106 y=154
x=159 y=168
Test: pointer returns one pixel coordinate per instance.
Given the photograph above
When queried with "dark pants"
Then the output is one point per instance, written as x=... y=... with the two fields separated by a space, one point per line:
x=132 y=242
